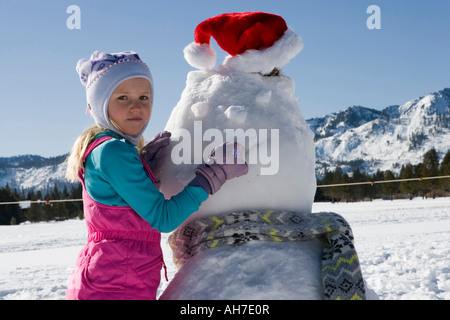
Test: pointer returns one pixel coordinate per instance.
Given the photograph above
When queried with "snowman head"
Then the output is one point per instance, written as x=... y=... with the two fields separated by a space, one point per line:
x=257 y=42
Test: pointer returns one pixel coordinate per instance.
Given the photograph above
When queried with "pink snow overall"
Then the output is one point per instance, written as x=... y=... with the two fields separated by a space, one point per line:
x=122 y=259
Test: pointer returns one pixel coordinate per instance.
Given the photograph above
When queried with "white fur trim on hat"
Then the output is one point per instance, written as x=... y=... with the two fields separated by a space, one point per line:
x=200 y=56
x=265 y=60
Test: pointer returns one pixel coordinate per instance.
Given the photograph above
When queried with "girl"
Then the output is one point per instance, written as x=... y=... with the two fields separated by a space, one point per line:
x=123 y=208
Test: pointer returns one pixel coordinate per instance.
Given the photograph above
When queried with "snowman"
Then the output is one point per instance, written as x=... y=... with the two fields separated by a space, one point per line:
x=256 y=238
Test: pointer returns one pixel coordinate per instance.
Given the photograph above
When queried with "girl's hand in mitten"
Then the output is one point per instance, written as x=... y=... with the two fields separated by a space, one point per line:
x=231 y=158
x=226 y=162
x=155 y=152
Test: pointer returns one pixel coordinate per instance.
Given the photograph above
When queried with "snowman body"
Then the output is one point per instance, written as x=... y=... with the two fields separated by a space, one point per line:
x=263 y=112
x=279 y=149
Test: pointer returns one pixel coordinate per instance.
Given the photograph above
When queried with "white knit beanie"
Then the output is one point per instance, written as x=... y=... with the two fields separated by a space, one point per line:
x=101 y=74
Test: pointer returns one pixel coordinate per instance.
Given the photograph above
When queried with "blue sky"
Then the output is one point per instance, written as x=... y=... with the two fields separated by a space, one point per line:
x=343 y=63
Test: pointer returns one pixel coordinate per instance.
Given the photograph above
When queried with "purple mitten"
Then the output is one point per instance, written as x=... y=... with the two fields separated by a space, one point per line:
x=212 y=175
x=155 y=152
x=231 y=158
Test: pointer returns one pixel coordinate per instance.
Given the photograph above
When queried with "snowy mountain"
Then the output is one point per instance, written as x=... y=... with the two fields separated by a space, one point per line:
x=33 y=172
x=371 y=139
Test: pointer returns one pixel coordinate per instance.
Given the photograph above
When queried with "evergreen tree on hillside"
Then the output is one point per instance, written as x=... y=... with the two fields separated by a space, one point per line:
x=390 y=189
x=407 y=187
x=345 y=192
x=444 y=170
x=10 y=212
x=35 y=213
x=430 y=168
x=358 y=191
x=330 y=177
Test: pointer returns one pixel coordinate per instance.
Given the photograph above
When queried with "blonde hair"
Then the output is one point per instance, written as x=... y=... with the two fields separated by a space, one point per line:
x=75 y=159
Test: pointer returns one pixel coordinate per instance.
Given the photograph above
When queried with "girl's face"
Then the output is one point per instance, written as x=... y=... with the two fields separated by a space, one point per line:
x=130 y=106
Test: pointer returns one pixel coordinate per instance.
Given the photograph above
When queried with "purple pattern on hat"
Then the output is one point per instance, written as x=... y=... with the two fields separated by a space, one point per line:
x=88 y=68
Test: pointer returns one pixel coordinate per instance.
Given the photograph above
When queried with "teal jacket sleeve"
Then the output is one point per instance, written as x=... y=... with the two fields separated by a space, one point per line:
x=115 y=176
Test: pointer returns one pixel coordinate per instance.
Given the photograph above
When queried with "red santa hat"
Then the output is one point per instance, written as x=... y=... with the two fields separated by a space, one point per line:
x=256 y=42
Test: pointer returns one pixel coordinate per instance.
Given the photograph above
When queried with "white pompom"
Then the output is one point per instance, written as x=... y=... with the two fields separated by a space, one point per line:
x=200 y=56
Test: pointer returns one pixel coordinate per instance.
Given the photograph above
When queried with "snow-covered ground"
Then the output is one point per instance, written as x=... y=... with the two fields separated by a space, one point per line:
x=404 y=250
